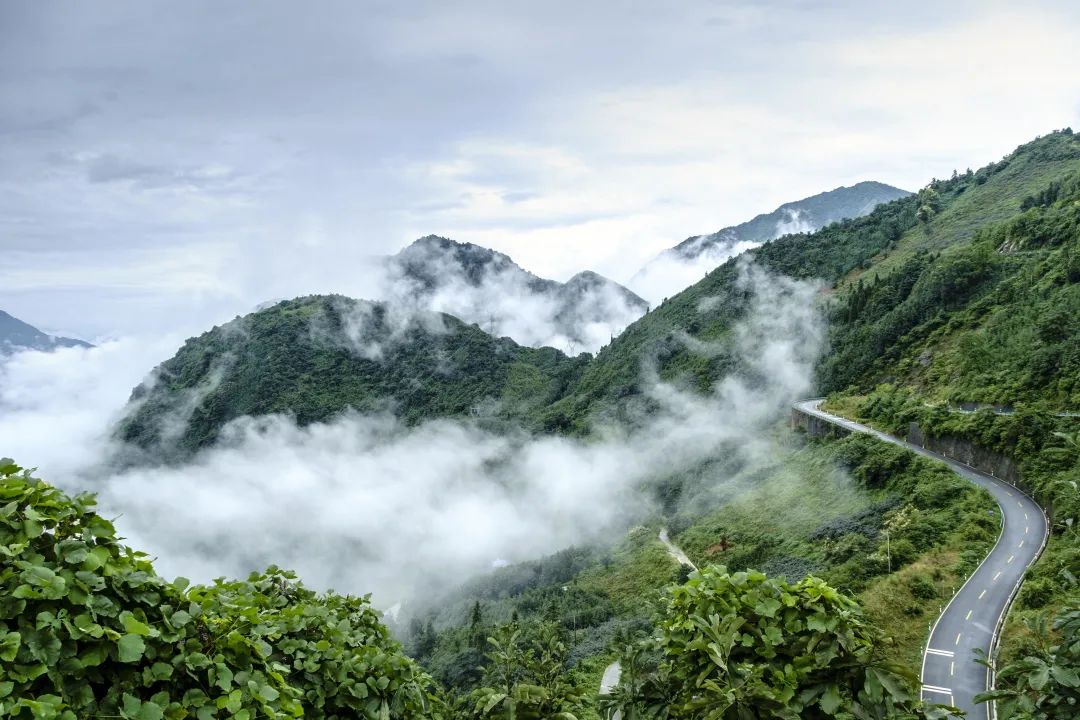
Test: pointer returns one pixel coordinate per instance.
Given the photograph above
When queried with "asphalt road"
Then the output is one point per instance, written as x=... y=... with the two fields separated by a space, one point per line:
x=972 y=618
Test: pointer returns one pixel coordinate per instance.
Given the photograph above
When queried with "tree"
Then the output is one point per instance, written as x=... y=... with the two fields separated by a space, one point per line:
x=743 y=646
x=526 y=677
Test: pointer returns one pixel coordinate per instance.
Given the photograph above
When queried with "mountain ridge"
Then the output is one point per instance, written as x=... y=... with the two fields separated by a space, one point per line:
x=675 y=268
x=17 y=335
x=484 y=286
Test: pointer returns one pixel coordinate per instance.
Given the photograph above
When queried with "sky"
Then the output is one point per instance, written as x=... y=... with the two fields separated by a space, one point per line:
x=165 y=166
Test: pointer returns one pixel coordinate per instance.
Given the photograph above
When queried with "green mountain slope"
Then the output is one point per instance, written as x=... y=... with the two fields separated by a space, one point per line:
x=316 y=356
x=883 y=242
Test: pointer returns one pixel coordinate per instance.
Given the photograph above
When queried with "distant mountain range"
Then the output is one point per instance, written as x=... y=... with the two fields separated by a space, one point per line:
x=488 y=288
x=16 y=335
x=679 y=267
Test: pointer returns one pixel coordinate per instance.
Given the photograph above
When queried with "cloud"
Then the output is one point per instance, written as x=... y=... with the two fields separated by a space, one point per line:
x=490 y=290
x=240 y=128
x=364 y=504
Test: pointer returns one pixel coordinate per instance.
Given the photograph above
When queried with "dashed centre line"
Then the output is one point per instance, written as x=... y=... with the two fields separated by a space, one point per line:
x=968 y=616
x=958 y=638
x=980 y=597
x=1010 y=559
x=997 y=575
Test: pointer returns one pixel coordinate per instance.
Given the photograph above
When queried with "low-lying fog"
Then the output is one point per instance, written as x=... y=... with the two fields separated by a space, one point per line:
x=363 y=504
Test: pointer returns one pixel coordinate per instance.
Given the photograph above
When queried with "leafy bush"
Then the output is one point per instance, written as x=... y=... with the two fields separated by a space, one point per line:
x=88 y=629
x=1046 y=684
x=746 y=646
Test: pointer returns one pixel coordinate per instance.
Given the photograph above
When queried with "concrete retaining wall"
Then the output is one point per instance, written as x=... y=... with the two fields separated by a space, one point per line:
x=951 y=446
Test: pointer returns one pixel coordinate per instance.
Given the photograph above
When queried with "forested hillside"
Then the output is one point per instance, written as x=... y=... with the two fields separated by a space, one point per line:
x=979 y=339
x=889 y=240
x=284 y=359
x=316 y=356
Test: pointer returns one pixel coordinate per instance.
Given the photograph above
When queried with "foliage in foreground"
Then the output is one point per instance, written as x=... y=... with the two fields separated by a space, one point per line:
x=526 y=678
x=88 y=629
x=744 y=646
x=1045 y=685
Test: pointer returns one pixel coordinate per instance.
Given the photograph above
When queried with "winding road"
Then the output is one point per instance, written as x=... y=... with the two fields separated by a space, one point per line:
x=973 y=617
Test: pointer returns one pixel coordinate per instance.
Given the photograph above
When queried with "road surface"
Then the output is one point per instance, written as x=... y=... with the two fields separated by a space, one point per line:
x=675 y=551
x=972 y=619
x=613 y=671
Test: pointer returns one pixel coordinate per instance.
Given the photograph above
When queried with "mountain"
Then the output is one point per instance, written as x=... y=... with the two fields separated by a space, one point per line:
x=17 y=335
x=947 y=214
x=683 y=265
x=488 y=288
x=316 y=356
x=275 y=363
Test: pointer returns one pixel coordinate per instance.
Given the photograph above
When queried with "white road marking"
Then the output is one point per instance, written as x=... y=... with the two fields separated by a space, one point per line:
x=958 y=638
x=952 y=667
x=980 y=597
x=968 y=616
x=1025 y=516
x=936 y=689
x=944 y=653
x=1019 y=504
x=1021 y=544
x=998 y=575
x=1010 y=559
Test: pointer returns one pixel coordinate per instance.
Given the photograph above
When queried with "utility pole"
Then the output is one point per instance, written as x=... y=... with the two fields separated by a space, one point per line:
x=888 y=551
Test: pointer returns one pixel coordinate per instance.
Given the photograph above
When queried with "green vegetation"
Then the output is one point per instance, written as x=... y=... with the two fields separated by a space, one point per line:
x=970 y=265
x=87 y=629
x=878 y=523
x=1045 y=684
x=980 y=309
x=966 y=294
x=741 y=645
x=317 y=356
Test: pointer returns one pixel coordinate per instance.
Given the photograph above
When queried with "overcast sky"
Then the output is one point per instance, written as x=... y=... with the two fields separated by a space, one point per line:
x=172 y=164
